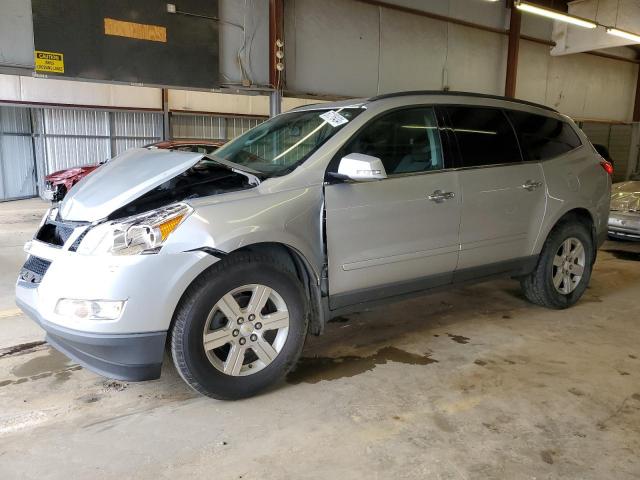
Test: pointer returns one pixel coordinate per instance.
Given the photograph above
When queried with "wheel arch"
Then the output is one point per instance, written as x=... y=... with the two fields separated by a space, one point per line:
x=304 y=271
x=581 y=215
x=291 y=258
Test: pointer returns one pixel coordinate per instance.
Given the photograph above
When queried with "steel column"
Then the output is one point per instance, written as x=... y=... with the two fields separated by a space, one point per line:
x=275 y=103
x=512 y=52
x=636 y=103
x=166 y=132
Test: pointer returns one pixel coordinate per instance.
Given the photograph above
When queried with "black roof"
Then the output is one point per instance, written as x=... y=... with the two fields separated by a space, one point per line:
x=459 y=94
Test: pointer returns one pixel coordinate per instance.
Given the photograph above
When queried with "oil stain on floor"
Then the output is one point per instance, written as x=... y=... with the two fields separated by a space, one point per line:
x=53 y=361
x=459 y=338
x=52 y=364
x=316 y=369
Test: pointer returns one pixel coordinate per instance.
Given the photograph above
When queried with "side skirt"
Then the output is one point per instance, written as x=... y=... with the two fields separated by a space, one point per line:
x=359 y=300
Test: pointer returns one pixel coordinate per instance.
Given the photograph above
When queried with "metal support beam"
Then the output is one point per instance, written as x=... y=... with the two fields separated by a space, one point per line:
x=276 y=32
x=636 y=103
x=512 y=52
x=166 y=131
x=275 y=103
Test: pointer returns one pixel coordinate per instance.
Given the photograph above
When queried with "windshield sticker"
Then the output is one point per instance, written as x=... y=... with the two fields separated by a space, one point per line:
x=333 y=118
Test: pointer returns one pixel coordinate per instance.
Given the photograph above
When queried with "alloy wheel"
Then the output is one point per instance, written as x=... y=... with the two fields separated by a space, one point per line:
x=568 y=265
x=246 y=330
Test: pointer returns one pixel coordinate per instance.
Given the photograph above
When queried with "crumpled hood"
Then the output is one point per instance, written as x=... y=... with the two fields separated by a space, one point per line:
x=69 y=173
x=122 y=180
x=625 y=197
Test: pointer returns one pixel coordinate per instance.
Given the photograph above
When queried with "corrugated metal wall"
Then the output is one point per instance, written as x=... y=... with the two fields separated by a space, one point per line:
x=211 y=127
x=134 y=129
x=617 y=139
x=17 y=166
x=35 y=142
x=68 y=137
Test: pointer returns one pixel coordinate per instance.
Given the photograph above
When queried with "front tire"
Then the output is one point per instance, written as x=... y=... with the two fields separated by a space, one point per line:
x=564 y=267
x=240 y=327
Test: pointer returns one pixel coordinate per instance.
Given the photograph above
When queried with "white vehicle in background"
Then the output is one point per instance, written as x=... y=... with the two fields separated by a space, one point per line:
x=624 y=218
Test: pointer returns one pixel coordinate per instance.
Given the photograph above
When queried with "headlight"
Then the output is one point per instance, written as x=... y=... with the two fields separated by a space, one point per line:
x=143 y=233
x=90 y=309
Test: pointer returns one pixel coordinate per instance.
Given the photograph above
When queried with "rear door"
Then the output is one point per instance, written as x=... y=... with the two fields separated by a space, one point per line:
x=388 y=237
x=503 y=197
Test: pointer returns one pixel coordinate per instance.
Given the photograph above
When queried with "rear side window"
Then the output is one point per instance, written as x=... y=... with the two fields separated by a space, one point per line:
x=484 y=136
x=543 y=137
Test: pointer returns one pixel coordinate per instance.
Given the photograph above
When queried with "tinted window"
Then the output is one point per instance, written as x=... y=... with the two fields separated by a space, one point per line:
x=484 y=136
x=405 y=140
x=543 y=137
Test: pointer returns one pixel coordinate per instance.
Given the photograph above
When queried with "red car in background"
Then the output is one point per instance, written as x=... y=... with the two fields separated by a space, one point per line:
x=57 y=184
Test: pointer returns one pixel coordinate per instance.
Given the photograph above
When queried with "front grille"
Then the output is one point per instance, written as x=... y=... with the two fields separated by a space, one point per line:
x=34 y=269
x=54 y=233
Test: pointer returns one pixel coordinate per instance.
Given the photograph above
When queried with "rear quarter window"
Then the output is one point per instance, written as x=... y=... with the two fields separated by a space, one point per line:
x=543 y=138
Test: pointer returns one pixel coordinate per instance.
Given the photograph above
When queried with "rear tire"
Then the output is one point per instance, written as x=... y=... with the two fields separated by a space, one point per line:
x=559 y=279
x=223 y=309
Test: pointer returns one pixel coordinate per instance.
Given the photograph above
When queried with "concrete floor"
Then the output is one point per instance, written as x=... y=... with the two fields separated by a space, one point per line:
x=472 y=383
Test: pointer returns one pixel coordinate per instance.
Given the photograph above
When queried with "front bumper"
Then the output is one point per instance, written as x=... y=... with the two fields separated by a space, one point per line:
x=129 y=348
x=128 y=357
x=624 y=225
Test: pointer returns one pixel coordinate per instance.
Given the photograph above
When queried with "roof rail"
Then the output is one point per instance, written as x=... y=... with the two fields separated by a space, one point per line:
x=459 y=94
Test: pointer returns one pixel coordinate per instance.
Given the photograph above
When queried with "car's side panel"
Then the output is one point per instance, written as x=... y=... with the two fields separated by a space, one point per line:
x=575 y=181
x=234 y=220
x=386 y=232
x=501 y=216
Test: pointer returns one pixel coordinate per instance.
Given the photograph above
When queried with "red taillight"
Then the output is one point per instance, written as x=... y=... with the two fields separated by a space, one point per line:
x=608 y=166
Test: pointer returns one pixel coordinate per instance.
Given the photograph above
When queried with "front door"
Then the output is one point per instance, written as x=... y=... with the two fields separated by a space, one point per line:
x=400 y=234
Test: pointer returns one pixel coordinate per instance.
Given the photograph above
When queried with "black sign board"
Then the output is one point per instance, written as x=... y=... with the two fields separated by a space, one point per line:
x=132 y=41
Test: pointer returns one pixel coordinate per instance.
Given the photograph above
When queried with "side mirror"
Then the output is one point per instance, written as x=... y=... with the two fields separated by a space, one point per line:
x=361 y=168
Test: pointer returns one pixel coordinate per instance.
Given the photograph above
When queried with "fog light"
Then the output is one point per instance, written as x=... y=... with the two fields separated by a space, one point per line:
x=90 y=309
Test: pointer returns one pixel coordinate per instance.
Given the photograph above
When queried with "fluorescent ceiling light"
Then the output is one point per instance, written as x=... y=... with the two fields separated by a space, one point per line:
x=621 y=33
x=555 y=15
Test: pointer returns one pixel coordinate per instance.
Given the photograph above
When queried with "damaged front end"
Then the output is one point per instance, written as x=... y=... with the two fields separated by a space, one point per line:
x=152 y=210
x=207 y=177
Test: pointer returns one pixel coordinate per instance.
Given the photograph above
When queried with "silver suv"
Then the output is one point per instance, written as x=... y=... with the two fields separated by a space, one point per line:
x=231 y=259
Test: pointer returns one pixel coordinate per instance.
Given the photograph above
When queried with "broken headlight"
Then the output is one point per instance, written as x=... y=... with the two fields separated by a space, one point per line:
x=143 y=233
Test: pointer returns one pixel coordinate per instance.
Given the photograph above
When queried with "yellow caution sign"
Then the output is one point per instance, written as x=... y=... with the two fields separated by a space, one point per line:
x=50 y=62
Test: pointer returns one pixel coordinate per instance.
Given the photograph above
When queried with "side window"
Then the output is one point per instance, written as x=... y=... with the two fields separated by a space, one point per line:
x=484 y=136
x=405 y=140
x=543 y=137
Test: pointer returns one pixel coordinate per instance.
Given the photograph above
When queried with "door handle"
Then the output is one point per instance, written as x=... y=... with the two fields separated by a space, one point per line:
x=530 y=185
x=439 y=196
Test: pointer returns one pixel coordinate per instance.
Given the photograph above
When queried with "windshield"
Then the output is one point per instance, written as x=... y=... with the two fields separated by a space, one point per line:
x=278 y=145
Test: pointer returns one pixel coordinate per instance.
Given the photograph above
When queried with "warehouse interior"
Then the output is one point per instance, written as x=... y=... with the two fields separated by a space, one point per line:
x=473 y=382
